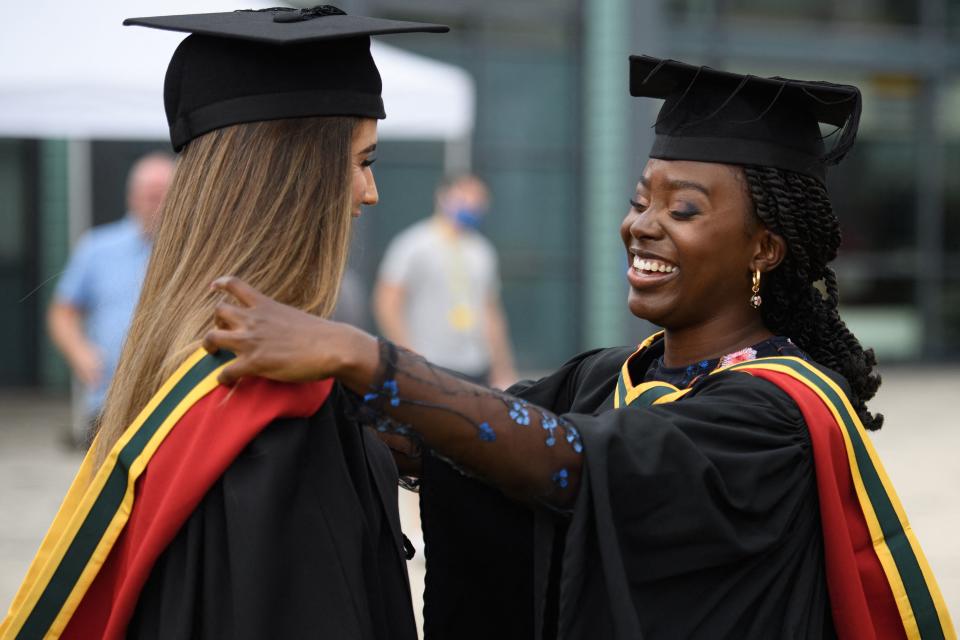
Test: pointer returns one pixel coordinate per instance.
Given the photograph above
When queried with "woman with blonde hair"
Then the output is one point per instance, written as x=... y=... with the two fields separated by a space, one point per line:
x=285 y=523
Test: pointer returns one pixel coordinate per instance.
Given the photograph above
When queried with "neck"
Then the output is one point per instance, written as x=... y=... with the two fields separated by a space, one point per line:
x=139 y=221
x=713 y=339
x=446 y=224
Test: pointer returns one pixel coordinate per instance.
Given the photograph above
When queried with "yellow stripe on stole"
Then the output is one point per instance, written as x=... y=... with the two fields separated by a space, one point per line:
x=873 y=524
x=629 y=390
x=81 y=497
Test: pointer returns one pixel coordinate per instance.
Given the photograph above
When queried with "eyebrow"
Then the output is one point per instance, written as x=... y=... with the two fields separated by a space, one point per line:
x=678 y=185
x=369 y=149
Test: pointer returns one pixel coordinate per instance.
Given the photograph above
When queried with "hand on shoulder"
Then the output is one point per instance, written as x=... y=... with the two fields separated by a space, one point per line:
x=280 y=342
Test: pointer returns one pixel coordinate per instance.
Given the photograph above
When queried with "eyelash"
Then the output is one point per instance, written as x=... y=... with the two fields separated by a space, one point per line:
x=682 y=215
x=368 y=162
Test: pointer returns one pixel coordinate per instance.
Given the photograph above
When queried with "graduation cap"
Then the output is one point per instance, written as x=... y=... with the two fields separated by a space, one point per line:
x=710 y=115
x=268 y=64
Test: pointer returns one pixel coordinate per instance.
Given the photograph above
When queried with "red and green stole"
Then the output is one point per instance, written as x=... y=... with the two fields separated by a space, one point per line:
x=879 y=581
x=117 y=519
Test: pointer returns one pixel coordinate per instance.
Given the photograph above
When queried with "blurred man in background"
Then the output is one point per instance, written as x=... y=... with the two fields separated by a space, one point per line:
x=96 y=295
x=438 y=288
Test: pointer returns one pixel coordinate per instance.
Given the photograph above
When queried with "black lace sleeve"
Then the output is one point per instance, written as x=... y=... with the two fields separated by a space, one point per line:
x=527 y=451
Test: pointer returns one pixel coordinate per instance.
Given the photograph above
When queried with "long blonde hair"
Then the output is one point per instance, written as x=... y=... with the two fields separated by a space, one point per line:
x=266 y=201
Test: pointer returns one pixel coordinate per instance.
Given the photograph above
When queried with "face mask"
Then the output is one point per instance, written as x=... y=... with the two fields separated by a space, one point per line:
x=468 y=218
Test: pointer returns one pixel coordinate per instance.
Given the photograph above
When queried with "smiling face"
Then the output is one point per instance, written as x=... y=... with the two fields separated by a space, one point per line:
x=692 y=244
x=363 y=186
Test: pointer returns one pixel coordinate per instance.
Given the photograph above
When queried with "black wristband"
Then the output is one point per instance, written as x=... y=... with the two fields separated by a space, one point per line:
x=388 y=361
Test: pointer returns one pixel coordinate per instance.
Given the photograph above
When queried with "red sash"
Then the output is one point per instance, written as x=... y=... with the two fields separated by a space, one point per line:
x=119 y=517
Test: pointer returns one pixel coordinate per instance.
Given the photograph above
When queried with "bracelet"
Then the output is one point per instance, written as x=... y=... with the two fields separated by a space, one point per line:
x=388 y=359
x=387 y=383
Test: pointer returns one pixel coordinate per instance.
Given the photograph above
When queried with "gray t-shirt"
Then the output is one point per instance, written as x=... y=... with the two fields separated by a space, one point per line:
x=448 y=280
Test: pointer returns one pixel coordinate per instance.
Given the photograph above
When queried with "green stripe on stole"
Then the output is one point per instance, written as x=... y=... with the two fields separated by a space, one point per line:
x=97 y=520
x=907 y=563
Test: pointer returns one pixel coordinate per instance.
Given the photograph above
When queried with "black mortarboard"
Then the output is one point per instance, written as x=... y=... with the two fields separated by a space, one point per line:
x=715 y=116
x=268 y=64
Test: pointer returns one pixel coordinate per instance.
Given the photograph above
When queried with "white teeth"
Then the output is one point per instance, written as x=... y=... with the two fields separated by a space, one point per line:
x=654 y=266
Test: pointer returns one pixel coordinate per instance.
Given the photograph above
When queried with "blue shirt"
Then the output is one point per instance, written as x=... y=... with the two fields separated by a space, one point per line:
x=103 y=279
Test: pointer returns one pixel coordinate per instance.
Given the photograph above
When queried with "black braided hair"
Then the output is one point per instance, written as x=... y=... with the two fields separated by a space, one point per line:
x=797 y=207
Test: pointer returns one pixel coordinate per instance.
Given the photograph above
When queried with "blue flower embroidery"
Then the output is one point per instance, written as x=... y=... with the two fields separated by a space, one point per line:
x=549 y=424
x=486 y=432
x=573 y=437
x=520 y=414
x=389 y=389
x=560 y=478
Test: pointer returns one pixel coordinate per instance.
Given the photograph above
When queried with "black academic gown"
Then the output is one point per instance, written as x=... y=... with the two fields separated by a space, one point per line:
x=697 y=519
x=300 y=538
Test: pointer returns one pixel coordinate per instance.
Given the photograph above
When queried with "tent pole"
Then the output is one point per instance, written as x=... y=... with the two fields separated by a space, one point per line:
x=79 y=219
x=79 y=188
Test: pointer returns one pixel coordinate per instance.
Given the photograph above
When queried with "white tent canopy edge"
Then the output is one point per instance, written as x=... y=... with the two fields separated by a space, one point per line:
x=72 y=70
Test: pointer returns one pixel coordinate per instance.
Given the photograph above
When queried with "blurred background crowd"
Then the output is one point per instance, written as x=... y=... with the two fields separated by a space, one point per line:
x=530 y=95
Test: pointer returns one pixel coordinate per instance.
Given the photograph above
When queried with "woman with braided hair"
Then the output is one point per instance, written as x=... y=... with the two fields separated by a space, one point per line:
x=717 y=481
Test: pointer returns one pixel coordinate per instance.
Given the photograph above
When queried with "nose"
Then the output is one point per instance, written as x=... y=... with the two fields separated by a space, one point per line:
x=644 y=224
x=370 y=194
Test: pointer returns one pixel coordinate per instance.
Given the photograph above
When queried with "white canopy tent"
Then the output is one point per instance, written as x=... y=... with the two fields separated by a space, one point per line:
x=71 y=70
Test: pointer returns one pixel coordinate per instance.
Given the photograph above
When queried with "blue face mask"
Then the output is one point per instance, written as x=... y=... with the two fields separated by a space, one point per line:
x=468 y=218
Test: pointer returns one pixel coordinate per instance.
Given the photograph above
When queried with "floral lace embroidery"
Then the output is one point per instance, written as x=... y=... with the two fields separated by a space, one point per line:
x=744 y=355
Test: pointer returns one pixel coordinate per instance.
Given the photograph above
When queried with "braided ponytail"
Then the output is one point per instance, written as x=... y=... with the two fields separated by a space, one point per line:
x=798 y=208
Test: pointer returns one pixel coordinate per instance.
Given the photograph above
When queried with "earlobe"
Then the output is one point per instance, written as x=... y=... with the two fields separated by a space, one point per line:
x=771 y=251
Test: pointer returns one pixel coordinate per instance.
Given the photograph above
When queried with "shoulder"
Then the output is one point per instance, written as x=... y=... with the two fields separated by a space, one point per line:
x=415 y=239
x=595 y=364
x=600 y=365
x=108 y=236
x=763 y=400
x=735 y=398
x=800 y=368
x=113 y=231
x=584 y=380
x=415 y=234
x=480 y=242
x=92 y=258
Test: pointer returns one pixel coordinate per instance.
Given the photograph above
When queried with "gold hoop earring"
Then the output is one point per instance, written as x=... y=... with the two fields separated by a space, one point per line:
x=755 y=300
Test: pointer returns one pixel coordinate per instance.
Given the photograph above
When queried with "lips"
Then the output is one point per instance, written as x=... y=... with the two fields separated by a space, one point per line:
x=647 y=271
x=646 y=265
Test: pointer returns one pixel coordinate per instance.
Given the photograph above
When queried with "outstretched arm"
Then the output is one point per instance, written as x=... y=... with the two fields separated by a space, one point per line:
x=524 y=450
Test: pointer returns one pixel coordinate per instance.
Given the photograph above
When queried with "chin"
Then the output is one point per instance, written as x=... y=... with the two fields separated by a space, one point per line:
x=645 y=308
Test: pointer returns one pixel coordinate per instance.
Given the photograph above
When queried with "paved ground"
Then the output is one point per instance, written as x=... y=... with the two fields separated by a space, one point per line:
x=919 y=447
